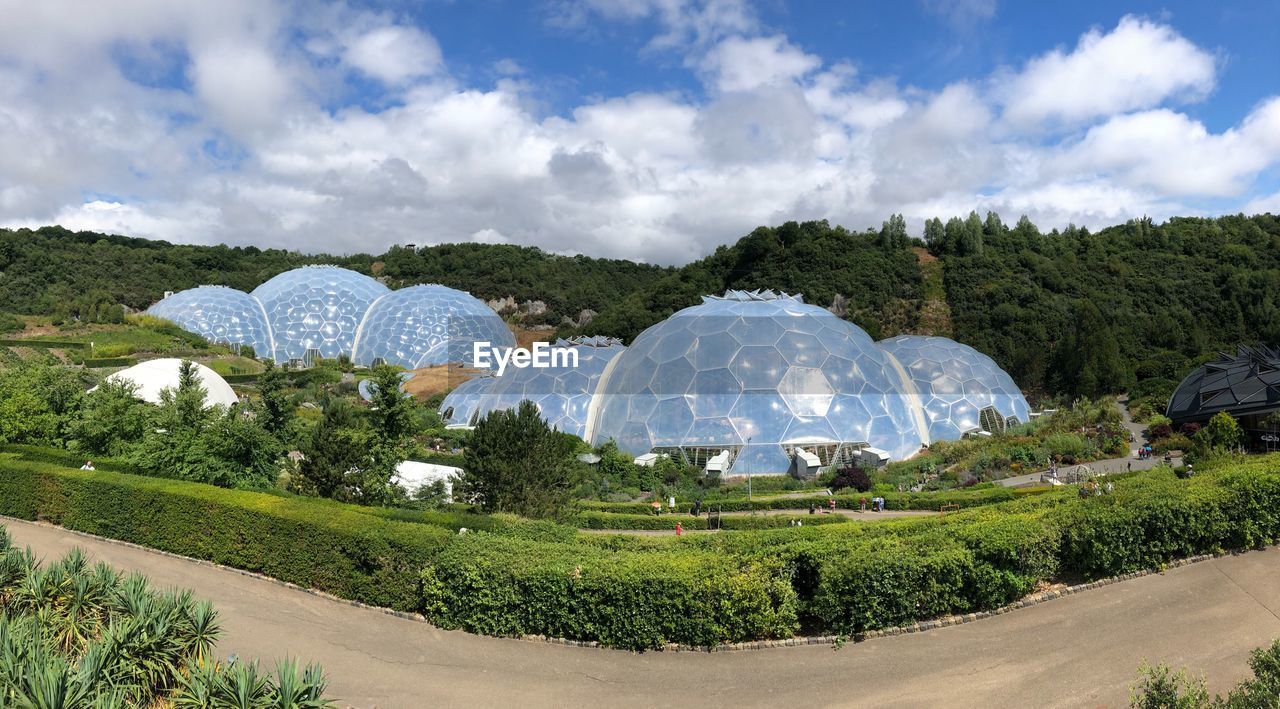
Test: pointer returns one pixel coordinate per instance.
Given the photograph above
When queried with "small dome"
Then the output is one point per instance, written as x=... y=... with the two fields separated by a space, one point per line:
x=563 y=394
x=956 y=384
x=461 y=406
x=427 y=325
x=759 y=374
x=316 y=308
x=156 y=375
x=219 y=314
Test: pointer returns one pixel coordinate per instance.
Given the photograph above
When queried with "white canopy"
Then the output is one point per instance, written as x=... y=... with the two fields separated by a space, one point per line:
x=153 y=376
x=413 y=475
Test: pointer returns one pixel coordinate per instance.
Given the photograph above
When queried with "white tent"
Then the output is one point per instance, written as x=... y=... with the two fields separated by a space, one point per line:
x=153 y=376
x=413 y=475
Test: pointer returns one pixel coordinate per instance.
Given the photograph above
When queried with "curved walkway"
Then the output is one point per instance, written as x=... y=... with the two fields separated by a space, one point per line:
x=1082 y=650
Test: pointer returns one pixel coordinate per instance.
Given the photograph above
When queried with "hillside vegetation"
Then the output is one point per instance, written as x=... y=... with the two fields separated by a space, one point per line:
x=1068 y=312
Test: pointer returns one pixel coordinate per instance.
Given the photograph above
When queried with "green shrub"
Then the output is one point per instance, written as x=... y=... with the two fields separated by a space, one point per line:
x=346 y=553
x=510 y=576
x=498 y=585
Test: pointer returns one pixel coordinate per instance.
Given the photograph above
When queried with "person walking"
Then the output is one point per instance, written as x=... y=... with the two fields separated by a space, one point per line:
x=679 y=529
x=1130 y=466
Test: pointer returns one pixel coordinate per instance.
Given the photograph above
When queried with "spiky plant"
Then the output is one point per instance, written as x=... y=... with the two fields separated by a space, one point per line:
x=75 y=635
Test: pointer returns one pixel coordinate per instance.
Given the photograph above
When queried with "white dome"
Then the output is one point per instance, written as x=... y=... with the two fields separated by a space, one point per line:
x=153 y=376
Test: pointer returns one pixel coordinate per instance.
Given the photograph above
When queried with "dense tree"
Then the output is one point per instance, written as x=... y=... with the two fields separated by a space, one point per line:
x=192 y=441
x=39 y=403
x=1087 y=361
x=335 y=455
x=114 y=420
x=516 y=463
x=275 y=407
x=893 y=233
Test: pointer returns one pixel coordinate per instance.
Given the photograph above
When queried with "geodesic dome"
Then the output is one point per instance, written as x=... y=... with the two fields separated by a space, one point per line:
x=219 y=314
x=316 y=308
x=959 y=388
x=461 y=406
x=562 y=394
x=156 y=375
x=427 y=325
x=758 y=374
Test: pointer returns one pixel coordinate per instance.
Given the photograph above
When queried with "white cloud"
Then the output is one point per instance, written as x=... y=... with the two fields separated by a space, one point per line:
x=394 y=54
x=1176 y=155
x=742 y=64
x=264 y=147
x=1139 y=64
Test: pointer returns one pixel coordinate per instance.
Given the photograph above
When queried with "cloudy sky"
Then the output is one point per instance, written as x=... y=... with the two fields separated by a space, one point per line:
x=645 y=129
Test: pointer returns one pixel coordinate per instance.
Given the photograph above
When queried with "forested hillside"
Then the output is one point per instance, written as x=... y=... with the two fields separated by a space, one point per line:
x=878 y=278
x=53 y=271
x=1071 y=312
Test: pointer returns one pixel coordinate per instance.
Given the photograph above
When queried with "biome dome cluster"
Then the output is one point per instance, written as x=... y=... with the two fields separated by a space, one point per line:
x=762 y=376
x=327 y=311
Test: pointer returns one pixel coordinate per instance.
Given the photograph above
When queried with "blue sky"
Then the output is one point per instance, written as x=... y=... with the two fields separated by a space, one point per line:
x=922 y=44
x=647 y=129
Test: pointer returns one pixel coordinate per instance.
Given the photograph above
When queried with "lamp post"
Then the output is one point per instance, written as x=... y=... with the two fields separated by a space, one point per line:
x=748 y=471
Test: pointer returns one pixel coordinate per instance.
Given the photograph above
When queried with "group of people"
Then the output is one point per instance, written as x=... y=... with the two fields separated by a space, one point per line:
x=1144 y=452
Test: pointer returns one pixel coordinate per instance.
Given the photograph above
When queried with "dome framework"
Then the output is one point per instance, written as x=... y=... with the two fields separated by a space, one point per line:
x=327 y=311
x=758 y=374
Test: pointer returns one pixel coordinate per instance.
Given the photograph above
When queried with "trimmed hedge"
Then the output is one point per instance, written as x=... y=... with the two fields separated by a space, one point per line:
x=43 y=344
x=846 y=500
x=508 y=576
x=66 y=459
x=346 y=553
x=497 y=585
x=103 y=362
x=609 y=520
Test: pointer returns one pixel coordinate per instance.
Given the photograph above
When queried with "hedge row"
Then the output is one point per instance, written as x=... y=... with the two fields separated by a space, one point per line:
x=346 y=553
x=608 y=520
x=470 y=580
x=516 y=577
x=104 y=362
x=43 y=344
x=65 y=458
x=504 y=586
x=844 y=499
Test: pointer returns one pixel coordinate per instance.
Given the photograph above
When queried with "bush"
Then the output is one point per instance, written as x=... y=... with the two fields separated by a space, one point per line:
x=510 y=576
x=853 y=477
x=74 y=635
x=346 y=553
x=502 y=586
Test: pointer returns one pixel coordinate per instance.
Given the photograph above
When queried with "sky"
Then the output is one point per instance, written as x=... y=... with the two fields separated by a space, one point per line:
x=652 y=130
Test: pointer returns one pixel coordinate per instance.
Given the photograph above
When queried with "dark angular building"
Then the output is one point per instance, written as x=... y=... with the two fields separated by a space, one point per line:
x=1246 y=385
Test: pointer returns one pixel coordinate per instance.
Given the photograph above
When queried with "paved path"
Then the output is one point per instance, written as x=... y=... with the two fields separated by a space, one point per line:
x=1077 y=651
x=1110 y=465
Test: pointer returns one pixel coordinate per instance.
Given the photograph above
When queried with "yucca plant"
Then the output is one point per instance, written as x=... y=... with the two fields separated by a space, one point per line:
x=75 y=635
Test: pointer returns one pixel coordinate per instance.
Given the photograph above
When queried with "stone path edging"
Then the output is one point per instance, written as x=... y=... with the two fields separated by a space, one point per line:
x=832 y=640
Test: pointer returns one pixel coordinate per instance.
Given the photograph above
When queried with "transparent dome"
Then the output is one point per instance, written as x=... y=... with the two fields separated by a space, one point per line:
x=563 y=395
x=218 y=314
x=428 y=325
x=757 y=374
x=316 y=308
x=955 y=384
x=461 y=406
